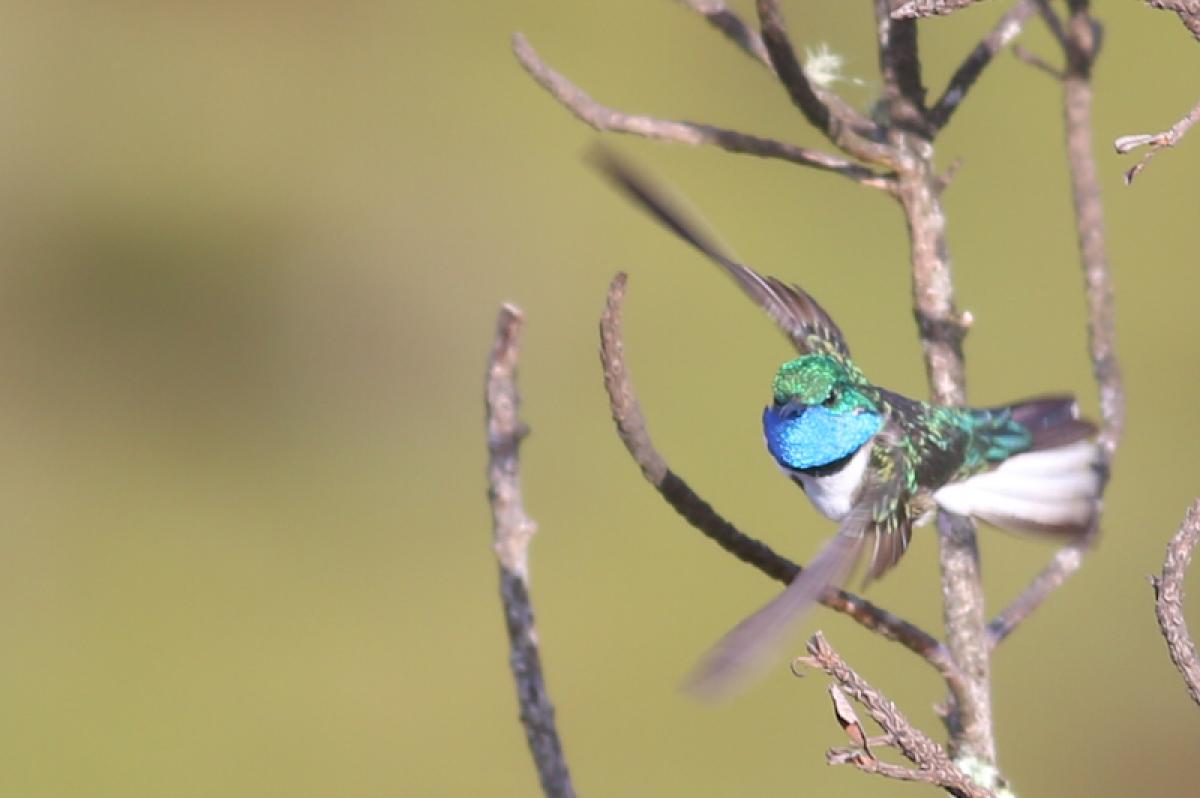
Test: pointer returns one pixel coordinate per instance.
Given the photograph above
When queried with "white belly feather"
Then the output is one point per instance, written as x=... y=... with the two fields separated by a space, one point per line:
x=833 y=495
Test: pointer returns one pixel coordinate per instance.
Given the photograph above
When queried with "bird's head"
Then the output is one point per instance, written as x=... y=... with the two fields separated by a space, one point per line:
x=820 y=413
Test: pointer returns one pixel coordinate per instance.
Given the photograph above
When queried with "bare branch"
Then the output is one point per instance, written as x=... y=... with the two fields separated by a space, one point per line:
x=851 y=132
x=631 y=426
x=1006 y=29
x=1053 y=22
x=602 y=117
x=941 y=329
x=1037 y=62
x=1065 y=562
x=900 y=67
x=729 y=23
x=1168 y=600
x=916 y=9
x=512 y=531
x=1080 y=38
x=1188 y=11
x=1178 y=6
x=750 y=42
x=1156 y=141
x=1083 y=43
x=970 y=718
x=933 y=763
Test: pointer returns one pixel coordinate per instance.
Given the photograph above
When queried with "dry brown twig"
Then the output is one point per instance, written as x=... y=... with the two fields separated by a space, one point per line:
x=1155 y=141
x=603 y=118
x=512 y=531
x=1188 y=12
x=1079 y=36
x=917 y=9
x=934 y=765
x=1168 y=600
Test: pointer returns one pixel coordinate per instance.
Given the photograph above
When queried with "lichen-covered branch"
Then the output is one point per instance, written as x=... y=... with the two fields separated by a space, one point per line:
x=512 y=531
x=1168 y=600
x=934 y=765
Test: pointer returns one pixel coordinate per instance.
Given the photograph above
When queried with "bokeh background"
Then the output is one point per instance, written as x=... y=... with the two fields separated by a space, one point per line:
x=251 y=259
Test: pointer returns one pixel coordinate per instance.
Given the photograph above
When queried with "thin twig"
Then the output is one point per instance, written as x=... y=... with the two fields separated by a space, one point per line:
x=1005 y=30
x=853 y=133
x=1168 y=600
x=1037 y=62
x=1066 y=561
x=631 y=426
x=1188 y=11
x=1080 y=37
x=900 y=68
x=916 y=9
x=1083 y=39
x=602 y=117
x=729 y=23
x=512 y=531
x=1156 y=141
x=1053 y=22
x=934 y=765
x=1178 y=6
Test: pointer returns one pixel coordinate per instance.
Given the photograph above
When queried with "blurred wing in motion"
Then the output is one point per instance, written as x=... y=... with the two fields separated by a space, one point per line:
x=802 y=320
x=749 y=647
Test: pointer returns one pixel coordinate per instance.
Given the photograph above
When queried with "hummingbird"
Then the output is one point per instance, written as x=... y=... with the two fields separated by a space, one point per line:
x=878 y=463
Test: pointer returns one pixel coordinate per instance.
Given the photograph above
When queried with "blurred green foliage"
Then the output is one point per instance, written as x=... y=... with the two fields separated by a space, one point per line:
x=252 y=254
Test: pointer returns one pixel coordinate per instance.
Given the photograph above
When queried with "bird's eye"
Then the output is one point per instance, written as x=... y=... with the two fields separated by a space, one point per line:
x=832 y=399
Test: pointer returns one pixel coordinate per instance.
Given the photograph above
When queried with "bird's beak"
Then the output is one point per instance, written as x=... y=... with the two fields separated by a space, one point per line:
x=791 y=409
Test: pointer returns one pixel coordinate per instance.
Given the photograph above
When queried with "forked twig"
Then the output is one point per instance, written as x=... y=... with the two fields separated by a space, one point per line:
x=735 y=29
x=1001 y=35
x=602 y=117
x=934 y=765
x=1168 y=600
x=1155 y=141
x=1080 y=39
x=512 y=531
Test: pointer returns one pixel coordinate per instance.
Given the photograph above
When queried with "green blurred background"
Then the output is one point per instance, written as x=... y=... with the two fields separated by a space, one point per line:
x=252 y=256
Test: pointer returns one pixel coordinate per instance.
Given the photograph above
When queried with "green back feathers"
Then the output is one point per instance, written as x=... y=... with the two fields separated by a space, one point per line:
x=995 y=437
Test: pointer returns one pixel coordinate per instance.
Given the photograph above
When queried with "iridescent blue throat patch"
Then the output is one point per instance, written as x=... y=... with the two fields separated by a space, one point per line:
x=817 y=436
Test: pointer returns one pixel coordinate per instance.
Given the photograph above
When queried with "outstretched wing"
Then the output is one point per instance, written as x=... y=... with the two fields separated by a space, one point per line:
x=878 y=525
x=802 y=320
x=746 y=650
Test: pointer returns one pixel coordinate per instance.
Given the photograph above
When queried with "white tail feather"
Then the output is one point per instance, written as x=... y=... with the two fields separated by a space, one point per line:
x=1050 y=488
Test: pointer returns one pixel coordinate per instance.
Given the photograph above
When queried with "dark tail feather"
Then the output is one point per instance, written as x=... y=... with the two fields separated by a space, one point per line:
x=1052 y=420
